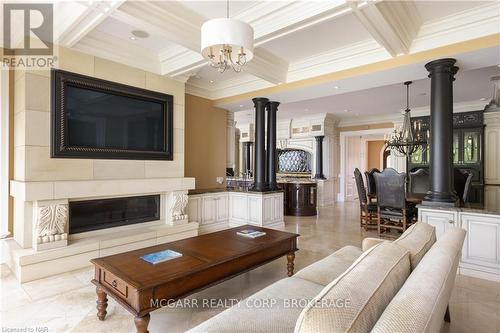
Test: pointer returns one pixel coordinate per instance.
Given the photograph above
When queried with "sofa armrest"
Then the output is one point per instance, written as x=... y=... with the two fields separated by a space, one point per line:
x=370 y=242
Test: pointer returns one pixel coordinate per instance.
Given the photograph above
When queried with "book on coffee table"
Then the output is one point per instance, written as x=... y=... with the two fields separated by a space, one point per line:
x=250 y=233
x=161 y=256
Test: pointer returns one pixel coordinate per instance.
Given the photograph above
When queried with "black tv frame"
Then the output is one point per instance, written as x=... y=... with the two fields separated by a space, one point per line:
x=60 y=148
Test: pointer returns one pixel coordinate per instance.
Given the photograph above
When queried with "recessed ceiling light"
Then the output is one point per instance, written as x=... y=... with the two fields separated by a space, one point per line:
x=346 y=110
x=241 y=105
x=498 y=65
x=140 y=34
x=336 y=87
x=212 y=81
x=280 y=83
x=132 y=38
x=400 y=54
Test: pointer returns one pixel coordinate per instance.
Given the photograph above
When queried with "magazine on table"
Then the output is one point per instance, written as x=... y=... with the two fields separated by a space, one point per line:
x=250 y=233
x=161 y=256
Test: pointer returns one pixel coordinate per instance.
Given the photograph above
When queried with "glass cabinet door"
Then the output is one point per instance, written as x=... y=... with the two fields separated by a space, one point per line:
x=417 y=157
x=456 y=147
x=471 y=144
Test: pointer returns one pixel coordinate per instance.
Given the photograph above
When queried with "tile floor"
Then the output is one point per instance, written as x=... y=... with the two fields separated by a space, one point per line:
x=66 y=303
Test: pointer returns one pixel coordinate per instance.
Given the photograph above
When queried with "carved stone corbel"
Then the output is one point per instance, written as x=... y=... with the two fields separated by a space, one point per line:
x=51 y=224
x=176 y=212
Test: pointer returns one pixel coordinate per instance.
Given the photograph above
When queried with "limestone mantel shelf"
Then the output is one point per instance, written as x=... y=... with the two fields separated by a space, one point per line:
x=67 y=189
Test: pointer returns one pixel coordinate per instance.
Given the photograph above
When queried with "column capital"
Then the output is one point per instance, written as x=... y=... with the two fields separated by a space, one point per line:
x=273 y=105
x=259 y=101
x=445 y=65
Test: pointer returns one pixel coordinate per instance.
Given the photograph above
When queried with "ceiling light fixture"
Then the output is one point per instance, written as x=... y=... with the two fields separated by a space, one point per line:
x=241 y=105
x=408 y=139
x=132 y=38
x=212 y=81
x=227 y=42
x=336 y=87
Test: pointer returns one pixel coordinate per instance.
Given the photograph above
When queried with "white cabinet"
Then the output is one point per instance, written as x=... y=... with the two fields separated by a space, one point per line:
x=220 y=210
x=440 y=219
x=481 y=249
x=210 y=210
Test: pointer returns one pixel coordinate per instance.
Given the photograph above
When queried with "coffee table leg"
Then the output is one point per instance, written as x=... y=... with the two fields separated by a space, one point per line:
x=290 y=257
x=141 y=323
x=102 y=303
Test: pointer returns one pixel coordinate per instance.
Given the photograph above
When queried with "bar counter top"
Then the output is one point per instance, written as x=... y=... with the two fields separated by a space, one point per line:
x=468 y=208
x=227 y=189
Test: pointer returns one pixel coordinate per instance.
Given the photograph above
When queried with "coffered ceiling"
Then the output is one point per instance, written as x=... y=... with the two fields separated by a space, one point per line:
x=294 y=40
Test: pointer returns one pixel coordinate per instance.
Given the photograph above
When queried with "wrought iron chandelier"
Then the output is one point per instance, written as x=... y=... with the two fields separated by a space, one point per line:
x=407 y=139
x=227 y=42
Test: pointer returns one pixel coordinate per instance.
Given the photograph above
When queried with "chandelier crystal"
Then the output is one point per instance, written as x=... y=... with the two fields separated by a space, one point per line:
x=227 y=42
x=407 y=139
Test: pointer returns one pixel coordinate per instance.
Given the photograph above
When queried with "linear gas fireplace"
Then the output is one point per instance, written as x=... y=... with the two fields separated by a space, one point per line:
x=107 y=213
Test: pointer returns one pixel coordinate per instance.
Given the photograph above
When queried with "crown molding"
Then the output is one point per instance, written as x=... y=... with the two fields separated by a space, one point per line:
x=415 y=112
x=177 y=61
x=469 y=24
x=227 y=87
x=353 y=55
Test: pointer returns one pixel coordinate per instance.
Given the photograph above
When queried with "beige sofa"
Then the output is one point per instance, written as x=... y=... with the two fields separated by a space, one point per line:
x=399 y=286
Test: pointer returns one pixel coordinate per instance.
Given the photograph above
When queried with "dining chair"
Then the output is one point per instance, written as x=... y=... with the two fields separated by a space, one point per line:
x=368 y=211
x=420 y=181
x=393 y=210
x=370 y=183
x=462 y=181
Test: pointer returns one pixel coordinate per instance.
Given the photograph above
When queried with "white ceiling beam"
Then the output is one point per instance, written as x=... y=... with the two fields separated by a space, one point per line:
x=84 y=22
x=393 y=24
x=267 y=66
x=105 y=46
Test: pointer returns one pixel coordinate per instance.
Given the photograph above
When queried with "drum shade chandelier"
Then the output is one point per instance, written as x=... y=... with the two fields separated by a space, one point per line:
x=227 y=42
x=407 y=139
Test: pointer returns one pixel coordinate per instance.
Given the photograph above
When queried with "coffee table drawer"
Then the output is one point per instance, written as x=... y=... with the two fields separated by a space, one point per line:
x=115 y=283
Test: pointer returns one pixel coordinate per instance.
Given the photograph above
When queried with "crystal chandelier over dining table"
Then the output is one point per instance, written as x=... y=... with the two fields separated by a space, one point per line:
x=407 y=139
x=227 y=42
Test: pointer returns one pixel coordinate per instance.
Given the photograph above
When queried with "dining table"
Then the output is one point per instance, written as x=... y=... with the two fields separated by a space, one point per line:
x=415 y=198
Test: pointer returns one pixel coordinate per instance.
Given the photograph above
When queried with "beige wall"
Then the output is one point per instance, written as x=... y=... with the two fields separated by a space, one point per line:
x=32 y=160
x=374 y=148
x=205 y=157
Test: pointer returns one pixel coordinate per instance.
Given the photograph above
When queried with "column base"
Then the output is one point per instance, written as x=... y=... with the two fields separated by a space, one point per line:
x=319 y=177
x=441 y=199
x=259 y=188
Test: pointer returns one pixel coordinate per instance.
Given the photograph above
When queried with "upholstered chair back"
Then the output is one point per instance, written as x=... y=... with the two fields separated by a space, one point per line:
x=391 y=189
x=371 y=187
x=420 y=181
x=360 y=186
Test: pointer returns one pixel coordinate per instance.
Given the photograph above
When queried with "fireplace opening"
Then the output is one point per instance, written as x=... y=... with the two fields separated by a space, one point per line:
x=107 y=213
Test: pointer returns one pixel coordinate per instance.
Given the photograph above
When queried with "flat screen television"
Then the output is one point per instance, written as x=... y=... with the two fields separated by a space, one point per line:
x=94 y=118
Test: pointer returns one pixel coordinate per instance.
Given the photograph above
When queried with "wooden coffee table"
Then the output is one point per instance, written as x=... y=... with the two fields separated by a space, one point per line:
x=206 y=260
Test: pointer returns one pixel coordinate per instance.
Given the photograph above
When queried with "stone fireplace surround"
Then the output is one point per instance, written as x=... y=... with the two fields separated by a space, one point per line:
x=43 y=186
x=42 y=248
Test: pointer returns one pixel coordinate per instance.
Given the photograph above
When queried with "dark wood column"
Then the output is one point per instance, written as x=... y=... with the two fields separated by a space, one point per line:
x=272 y=108
x=259 y=175
x=319 y=158
x=442 y=73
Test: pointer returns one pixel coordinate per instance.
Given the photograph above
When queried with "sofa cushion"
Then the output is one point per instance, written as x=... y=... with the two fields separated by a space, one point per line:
x=420 y=304
x=417 y=239
x=252 y=316
x=328 y=269
x=356 y=299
